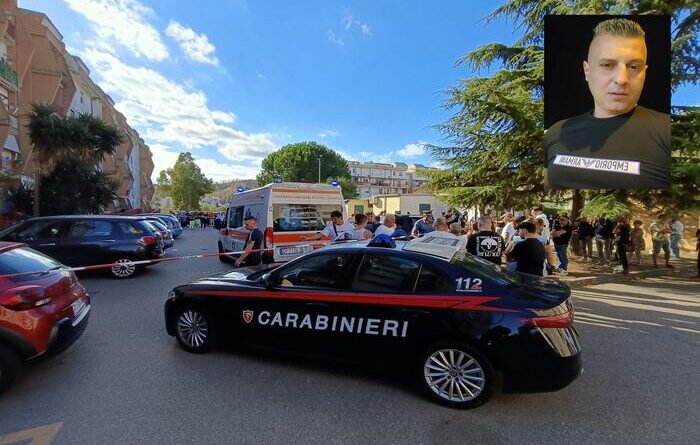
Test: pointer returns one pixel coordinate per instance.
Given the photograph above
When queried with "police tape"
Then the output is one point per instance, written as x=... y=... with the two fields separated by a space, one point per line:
x=126 y=264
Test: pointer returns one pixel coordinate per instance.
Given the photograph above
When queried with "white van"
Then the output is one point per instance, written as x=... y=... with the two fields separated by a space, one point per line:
x=285 y=211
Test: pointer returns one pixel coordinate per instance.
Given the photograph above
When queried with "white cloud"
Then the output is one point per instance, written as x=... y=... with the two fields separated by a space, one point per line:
x=172 y=114
x=260 y=75
x=366 y=156
x=123 y=22
x=328 y=134
x=347 y=21
x=163 y=158
x=335 y=39
x=225 y=172
x=412 y=150
x=195 y=46
x=365 y=29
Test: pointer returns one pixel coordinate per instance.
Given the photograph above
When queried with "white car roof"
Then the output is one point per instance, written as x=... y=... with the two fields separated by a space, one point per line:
x=439 y=246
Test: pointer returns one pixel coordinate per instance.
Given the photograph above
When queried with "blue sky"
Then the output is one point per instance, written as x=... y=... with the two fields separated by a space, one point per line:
x=231 y=81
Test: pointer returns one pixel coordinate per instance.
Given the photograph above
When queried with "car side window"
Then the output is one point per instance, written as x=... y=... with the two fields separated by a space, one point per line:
x=131 y=228
x=321 y=271
x=235 y=217
x=384 y=273
x=80 y=229
x=41 y=230
x=430 y=281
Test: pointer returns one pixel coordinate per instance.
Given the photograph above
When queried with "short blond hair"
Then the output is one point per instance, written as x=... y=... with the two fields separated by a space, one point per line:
x=618 y=27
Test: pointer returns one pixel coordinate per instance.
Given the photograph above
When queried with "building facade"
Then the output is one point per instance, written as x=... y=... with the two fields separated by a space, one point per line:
x=372 y=178
x=38 y=69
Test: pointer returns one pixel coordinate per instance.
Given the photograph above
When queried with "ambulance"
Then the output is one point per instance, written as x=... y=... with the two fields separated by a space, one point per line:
x=285 y=211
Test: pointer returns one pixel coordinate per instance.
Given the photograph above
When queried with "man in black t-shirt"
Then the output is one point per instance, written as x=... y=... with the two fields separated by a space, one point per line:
x=620 y=144
x=253 y=243
x=529 y=253
x=486 y=244
x=561 y=236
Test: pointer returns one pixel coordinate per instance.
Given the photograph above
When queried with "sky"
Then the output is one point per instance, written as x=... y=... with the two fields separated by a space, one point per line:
x=233 y=80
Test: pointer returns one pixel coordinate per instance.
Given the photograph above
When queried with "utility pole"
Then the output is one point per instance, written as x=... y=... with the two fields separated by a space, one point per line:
x=319 y=168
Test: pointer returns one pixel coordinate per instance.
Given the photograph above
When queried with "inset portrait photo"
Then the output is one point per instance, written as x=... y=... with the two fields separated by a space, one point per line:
x=607 y=102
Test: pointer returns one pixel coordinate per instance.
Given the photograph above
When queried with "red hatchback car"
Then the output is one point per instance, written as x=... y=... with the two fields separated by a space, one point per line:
x=40 y=313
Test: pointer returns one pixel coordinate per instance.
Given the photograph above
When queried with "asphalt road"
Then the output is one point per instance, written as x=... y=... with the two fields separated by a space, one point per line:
x=126 y=382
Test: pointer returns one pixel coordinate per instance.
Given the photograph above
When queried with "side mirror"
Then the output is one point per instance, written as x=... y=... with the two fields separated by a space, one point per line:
x=266 y=280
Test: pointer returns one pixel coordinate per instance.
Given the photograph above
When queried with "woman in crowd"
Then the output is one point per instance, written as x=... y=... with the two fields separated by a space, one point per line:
x=638 y=244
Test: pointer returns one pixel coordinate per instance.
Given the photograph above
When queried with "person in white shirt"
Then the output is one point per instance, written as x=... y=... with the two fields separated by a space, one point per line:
x=676 y=235
x=359 y=232
x=509 y=229
x=334 y=227
x=388 y=226
x=539 y=214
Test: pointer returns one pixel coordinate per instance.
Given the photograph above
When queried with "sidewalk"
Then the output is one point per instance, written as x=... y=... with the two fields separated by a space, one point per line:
x=584 y=274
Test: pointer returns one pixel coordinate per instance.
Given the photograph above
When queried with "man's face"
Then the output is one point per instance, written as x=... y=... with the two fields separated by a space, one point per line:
x=337 y=220
x=251 y=224
x=389 y=222
x=615 y=72
x=426 y=217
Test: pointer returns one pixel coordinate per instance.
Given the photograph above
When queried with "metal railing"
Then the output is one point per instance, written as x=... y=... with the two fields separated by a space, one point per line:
x=7 y=73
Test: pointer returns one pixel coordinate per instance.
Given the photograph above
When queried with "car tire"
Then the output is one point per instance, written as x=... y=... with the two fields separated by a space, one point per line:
x=457 y=375
x=10 y=367
x=222 y=258
x=123 y=268
x=193 y=329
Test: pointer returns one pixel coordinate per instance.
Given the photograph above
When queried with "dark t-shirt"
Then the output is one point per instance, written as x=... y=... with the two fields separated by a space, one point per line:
x=565 y=237
x=629 y=151
x=585 y=229
x=530 y=255
x=623 y=234
x=487 y=245
x=254 y=258
x=604 y=228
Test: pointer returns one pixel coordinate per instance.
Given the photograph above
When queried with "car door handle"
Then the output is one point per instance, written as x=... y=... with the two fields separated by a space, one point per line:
x=48 y=244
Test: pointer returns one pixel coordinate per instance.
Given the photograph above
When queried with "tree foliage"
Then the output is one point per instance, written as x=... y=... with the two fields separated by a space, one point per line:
x=185 y=182
x=496 y=148
x=75 y=186
x=299 y=163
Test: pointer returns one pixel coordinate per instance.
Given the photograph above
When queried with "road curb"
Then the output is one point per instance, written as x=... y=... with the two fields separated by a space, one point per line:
x=609 y=278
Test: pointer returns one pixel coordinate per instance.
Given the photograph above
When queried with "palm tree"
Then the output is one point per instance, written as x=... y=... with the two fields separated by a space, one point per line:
x=56 y=139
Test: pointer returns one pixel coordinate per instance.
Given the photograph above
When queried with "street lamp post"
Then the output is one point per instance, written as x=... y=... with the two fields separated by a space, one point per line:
x=319 y=168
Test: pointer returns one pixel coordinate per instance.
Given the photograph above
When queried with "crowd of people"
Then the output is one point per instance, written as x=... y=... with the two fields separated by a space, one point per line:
x=200 y=220
x=538 y=244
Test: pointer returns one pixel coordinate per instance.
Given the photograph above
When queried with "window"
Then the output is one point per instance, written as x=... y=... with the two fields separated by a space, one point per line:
x=235 y=217
x=431 y=281
x=359 y=208
x=41 y=230
x=80 y=229
x=301 y=217
x=379 y=273
x=131 y=229
x=480 y=267
x=25 y=260
x=423 y=208
x=322 y=271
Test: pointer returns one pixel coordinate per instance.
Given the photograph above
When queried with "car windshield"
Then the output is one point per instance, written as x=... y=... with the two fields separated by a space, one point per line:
x=24 y=259
x=491 y=271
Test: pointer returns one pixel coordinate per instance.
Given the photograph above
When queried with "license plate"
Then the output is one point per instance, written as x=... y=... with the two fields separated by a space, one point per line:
x=77 y=306
x=291 y=250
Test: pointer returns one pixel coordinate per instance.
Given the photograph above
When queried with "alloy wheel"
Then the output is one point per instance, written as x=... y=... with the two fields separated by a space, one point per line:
x=123 y=268
x=454 y=375
x=192 y=328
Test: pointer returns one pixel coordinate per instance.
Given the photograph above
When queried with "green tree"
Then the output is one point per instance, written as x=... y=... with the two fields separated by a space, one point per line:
x=75 y=186
x=77 y=140
x=185 y=182
x=300 y=163
x=496 y=131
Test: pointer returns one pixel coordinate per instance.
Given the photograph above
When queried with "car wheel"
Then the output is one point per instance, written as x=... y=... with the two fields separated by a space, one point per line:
x=10 y=367
x=123 y=268
x=457 y=375
x=222 y=258
x=193 y=329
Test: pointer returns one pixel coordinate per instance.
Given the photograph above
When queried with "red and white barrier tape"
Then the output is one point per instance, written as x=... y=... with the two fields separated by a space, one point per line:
x=159 y=260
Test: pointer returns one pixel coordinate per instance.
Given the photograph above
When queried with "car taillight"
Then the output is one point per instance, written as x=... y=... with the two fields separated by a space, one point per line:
x=559 y=321
x=147 y=240
x=23 y=298
x=269 y=255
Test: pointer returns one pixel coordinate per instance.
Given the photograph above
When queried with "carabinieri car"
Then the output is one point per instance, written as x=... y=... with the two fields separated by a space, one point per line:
x=464 y=325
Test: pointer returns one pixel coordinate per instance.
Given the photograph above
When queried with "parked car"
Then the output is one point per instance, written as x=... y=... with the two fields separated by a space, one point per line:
x=174 y=225
x=168 y=240
x=459 y=324
x=83 y=240
x=40 y=313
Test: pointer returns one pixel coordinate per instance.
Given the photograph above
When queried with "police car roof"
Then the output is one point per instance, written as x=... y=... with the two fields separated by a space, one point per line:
x=439 y=247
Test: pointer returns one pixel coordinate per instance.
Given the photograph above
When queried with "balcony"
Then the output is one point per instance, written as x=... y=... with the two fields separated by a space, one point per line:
x=7 y=73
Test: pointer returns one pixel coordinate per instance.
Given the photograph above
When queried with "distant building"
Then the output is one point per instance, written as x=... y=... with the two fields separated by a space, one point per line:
x=35 y=67
x=372 y=178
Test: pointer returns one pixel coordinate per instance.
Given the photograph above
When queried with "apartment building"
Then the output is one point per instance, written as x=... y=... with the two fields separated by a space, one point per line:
x=373 y=178
x=39 y=69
